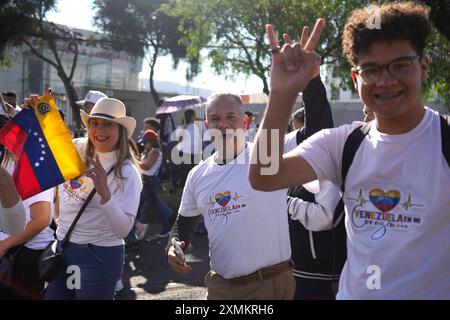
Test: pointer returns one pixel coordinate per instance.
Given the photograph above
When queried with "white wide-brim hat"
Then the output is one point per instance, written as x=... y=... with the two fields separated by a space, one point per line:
x=113 y=110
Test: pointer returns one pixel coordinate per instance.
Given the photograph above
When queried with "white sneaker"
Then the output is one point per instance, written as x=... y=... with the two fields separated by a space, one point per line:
x=141 y=230
x=119 y=286
x=151 y=237
x=163 y=234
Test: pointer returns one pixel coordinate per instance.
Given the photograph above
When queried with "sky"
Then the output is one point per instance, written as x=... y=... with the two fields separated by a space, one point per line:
x=79 y=14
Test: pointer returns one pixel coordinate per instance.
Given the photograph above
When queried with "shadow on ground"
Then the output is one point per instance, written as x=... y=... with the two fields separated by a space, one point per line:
x=147 y=274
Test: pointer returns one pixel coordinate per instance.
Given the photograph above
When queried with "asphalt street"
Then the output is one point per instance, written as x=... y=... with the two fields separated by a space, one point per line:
x=147 y=275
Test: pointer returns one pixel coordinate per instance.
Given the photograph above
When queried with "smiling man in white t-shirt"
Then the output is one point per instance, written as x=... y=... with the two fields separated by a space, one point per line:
x=247 y=229
x=396 y=191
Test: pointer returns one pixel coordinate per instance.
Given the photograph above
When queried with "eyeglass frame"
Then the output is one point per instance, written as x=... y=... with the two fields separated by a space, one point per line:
x=359 y=69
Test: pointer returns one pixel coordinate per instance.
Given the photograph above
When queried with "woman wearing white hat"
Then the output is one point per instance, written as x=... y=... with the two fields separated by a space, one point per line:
x=96 y=244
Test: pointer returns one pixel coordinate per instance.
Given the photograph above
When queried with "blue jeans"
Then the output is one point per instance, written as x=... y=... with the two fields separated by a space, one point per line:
x=150 y=194
x=100 y=268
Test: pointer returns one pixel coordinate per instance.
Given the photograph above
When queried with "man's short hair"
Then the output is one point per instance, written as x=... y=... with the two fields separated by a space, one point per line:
x=234 y=97
x=153 y=122
x=299 y=115
x=189 y=116
x=398 y=21
x=10 y=94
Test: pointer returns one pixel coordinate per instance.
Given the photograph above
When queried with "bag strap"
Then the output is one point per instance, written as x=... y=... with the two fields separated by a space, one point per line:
x=298 y=137
x=80 y=212
x=13 y=256
x=351 y=145
x=445 y=136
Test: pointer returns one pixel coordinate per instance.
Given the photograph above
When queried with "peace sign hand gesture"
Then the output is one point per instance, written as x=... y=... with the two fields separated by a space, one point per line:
x=294 y=64
x=99 y=176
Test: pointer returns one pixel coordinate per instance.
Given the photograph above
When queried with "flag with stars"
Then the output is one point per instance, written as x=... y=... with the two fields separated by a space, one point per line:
x=45 y=153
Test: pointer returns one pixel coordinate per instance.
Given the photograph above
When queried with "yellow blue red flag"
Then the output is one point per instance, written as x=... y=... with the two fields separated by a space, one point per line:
x=46 y=155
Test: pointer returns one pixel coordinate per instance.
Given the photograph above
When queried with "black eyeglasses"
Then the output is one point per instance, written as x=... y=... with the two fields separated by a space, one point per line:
x=399 y=67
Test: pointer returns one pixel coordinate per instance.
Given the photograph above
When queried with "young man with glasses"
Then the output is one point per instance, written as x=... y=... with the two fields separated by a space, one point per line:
x=396 y=187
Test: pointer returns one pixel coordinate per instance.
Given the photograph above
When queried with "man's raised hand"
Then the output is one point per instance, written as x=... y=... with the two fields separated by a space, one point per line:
x=294 y=64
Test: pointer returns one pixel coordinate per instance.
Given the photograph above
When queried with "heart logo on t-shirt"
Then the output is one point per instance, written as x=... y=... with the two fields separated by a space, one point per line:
x=224 y=198
x=75 y=184
x=384 y=201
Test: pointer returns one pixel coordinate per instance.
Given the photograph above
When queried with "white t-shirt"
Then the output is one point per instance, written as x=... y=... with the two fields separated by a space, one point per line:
x=247 y=229
x=192 y=138
x=397 y=210
x=153 y=171
x=290 y=141
x=93 y=226
x=43 y=238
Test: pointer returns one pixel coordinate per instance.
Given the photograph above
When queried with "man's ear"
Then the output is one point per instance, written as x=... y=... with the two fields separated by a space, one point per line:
x=206 y=124
x=425 y=67
x=355 y=81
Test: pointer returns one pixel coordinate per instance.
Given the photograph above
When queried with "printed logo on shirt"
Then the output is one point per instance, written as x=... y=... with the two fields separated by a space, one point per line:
x=75 y=189
x=223 y=204
x=390 y=213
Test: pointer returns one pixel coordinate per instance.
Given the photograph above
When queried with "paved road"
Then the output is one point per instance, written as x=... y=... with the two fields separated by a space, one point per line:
x=147 y=275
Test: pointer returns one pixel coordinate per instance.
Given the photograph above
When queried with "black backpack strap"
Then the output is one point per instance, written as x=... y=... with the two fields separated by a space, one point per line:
x=338 y=212
x=299 y=137
x=445 y=137
x=351 y=145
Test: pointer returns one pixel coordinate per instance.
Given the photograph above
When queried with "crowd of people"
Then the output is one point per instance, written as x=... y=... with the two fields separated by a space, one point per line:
x=352 y=212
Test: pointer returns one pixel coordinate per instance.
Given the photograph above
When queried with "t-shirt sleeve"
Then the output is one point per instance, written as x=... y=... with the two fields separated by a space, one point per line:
x=323 y=151
x=188 y=206
x=128 y=194
x=290 y=141
x=44 y=196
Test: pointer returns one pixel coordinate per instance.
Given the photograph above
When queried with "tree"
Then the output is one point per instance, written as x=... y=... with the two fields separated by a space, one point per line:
x=24 y=23
x=233 y=32
x=139 y=27
x=16 y=19
x=440 y=15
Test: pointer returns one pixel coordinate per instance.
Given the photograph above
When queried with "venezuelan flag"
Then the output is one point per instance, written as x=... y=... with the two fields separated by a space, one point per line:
x=46 y=156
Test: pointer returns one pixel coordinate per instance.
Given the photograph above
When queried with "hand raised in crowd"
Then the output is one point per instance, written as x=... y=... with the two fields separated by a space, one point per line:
x=34 y=98
x=98 y=175
x=176 y=262
x=8 y=109
x=303 y=41
x=294 y=64
x=28 y=102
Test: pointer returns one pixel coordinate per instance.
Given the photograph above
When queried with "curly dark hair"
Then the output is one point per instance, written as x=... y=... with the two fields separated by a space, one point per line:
x=398 y=21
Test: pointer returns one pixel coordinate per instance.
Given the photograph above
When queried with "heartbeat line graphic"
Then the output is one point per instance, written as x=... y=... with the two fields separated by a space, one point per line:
x=237 y=197
x=409 y=205
x=210 y=203
x=360 y=200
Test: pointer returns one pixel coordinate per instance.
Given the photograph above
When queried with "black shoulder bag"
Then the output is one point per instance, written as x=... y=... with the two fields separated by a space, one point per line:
x=50 y=260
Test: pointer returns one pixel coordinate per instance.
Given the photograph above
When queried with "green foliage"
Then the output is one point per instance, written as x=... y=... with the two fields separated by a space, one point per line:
x=438 y=85
x=234 y=31
x=233 y=34
x=140 y=27
x=137 y=26
x=18 y=18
